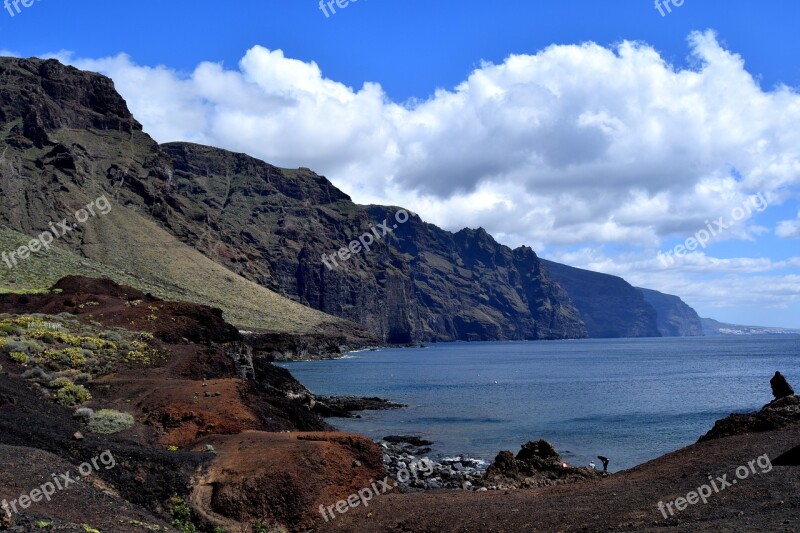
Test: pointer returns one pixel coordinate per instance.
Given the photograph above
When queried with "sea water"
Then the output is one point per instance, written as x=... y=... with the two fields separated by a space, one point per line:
x=630 y=400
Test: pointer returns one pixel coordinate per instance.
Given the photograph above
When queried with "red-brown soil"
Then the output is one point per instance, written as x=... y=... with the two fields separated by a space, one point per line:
x=284 y=475
x=188 y=394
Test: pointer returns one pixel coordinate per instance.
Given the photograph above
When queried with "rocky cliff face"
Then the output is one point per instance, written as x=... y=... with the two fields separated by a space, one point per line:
x=610 y=306
x=417 y=282
x=66 y=137
x=674 y=317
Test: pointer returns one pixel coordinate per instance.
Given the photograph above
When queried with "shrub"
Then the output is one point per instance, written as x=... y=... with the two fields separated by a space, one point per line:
x=60 y=383
x=47 y=338
x=19 y=357
x=33 y=347
x=73 y=357
x=84 y=413
x=83 y=377
x=72 y=395
x=137 y=357
x=108 y=422
x=14 y=346
x=112 y=336
x=182 y=515
x=9 y=329
x=36 y=373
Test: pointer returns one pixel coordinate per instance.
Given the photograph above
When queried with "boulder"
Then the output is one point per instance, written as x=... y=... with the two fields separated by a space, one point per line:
x=780 y=387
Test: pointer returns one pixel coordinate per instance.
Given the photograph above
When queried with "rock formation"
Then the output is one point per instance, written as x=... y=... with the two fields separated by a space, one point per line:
x=780 y=387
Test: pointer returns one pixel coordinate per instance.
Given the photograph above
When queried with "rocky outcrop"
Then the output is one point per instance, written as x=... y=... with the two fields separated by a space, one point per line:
x=537 y=464
x=780 y=387
x=609 y=306
x=674 y=317
x=299 y=347
x=775 y=415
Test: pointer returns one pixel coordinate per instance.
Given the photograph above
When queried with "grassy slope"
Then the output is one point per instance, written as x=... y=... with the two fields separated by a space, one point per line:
x=164 y=267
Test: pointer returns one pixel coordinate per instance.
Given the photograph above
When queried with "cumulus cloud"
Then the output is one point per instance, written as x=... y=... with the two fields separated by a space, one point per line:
x=789 y=229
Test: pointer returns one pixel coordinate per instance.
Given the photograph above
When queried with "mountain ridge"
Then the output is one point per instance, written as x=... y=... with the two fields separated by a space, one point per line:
x=212 y=226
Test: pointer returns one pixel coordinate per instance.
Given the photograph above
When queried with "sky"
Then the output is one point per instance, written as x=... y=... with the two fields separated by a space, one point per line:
x=654 y=142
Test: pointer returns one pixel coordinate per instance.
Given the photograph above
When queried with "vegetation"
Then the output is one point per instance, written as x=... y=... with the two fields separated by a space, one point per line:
x=108 y=422
x=72 y=395
x=165 y=268
x=19 y=357
x=60 y=344
x=181 y=514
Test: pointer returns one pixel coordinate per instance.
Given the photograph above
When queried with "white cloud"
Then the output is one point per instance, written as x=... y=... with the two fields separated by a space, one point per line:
x=789 y=229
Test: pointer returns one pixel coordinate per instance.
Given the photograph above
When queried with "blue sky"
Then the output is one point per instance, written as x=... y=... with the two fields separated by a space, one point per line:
x=417 y=103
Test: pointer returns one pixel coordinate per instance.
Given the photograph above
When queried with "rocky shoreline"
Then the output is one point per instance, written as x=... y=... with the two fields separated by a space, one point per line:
x=538 y=464
x=285 y=347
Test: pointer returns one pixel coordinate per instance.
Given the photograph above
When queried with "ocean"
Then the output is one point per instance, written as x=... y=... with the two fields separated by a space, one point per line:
x=630 y=400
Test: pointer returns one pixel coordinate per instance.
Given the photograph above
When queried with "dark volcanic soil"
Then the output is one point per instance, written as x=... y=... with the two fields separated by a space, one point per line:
x=626 y=501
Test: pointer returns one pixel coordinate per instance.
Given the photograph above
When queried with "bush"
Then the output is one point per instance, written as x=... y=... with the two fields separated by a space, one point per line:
x=72 y=395
x=9 y=329
x=60 y=383
x=108 y=422
x=36 y=373
x=83 y=378
x=14 y=346
x=84 y=413
x=73 y=357
x=19 y=357
x=112 y=336
x=182 y=515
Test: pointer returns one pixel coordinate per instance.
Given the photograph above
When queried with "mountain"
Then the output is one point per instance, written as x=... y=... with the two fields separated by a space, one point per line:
x=713 y=328
x=206 y=225
x=67 y=140
x=417 y=282
x=609 y=306
x=673 y=316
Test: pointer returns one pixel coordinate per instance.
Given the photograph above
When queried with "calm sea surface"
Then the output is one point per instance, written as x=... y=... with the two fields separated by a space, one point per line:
x=629 y=399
